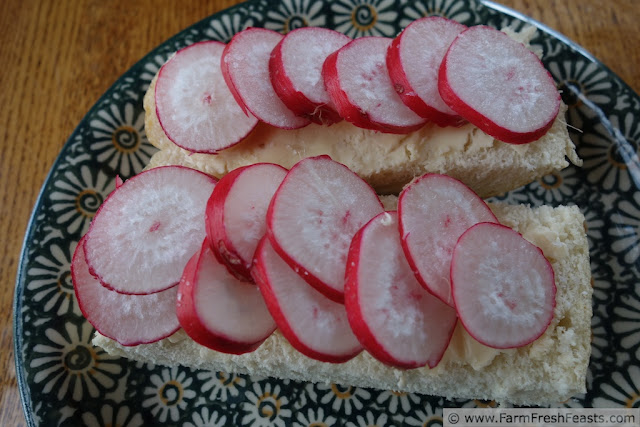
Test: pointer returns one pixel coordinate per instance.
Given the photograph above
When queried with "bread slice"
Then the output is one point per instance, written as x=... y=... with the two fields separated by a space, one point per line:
x=551 y=369
x=387 y=162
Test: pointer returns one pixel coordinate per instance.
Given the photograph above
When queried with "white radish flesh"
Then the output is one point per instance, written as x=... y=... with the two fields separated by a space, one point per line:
x=313 y=216
x=395 y=319
x=245 y=67
x=146 y=230
x=498 y=85
x=413 y=60
x=296 y=72
x=434 y=210
x=236 y=217
x=194 y=105
x=127 y=319
x=313 y=324
x=503 y=286
x=219 y=311
x=358 y=83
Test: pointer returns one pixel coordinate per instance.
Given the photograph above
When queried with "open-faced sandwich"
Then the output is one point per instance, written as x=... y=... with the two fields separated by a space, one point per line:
x=315 y=213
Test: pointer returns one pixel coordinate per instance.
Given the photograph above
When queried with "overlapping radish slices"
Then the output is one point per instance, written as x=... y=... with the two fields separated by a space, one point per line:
x=335 y=273
x=209 y=96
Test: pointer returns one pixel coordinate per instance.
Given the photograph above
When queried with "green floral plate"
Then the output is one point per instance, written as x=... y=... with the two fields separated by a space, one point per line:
x=64 y=381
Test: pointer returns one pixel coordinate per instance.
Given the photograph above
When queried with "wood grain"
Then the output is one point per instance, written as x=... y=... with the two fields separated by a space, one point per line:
x=59 y=57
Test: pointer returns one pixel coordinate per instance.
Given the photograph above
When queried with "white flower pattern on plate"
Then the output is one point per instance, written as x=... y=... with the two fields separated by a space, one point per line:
x=169 y=394
x=68 y=365
x=50 y=281
x=119 y=139
x=266 y=407
x=358 y=18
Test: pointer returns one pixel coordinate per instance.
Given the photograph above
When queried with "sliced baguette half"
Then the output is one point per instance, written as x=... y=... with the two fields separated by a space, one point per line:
x=386 y=161
x=549 y=370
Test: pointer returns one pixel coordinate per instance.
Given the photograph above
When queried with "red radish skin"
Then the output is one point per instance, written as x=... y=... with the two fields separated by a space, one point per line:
x=245 y=68
x=394 y=317
x=128 y=319
x=217 y=310
x=147 y=229
x=434 y=210
x=296 y=72
x=236 y=216
x=313 y=324
x=193 y=103
x=413 y=69
x=498 y=85
x=313 y=216
x=358 y=83
x=503 y=286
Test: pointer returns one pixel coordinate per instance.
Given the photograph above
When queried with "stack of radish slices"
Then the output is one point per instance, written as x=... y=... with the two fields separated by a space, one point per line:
x=209 y=96
x=312 y=252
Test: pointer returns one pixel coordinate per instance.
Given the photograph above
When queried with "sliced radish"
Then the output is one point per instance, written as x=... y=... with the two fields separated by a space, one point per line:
x=217 y=310
x=434 y=211
x=395 y=319
x=498 y=85
x=313 y=216
x=127 y=319
x=296 y=72
x=503 y=286
x=194 y=106
x=358 y=83
x=413 y=60
x=236 y=217
x=147 y=229
x=245 y=67
x=314 y=325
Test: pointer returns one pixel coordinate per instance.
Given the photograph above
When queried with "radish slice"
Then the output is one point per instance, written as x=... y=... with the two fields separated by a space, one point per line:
x=127 y=319
x=313 y=324
x=503 y=286
x=245 y=67
x=498 y=85
x=236 y=217
x=413 y=60
x=358 y=83
x=434 y=210
x=296 y=72
x=146 y=230
x=395 y=319
x=194 y=106
x=219 y=311
x=313 y=216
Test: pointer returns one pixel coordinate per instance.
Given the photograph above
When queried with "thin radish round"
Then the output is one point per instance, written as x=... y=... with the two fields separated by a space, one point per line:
x=146 y=230
x=433 y=211
x=296 y=72
x=313 y=216
x=413 y=60
x=245 y=67
x=127 y=319
x=313 y=324
x=395 y=319
x=358 y=83
x=503 y=286
x=219 y=311
x=236 y=216
x=498 y=85
x=194 y=105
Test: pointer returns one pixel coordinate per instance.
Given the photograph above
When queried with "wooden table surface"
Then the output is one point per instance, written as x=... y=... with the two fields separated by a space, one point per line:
x=58 y=57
